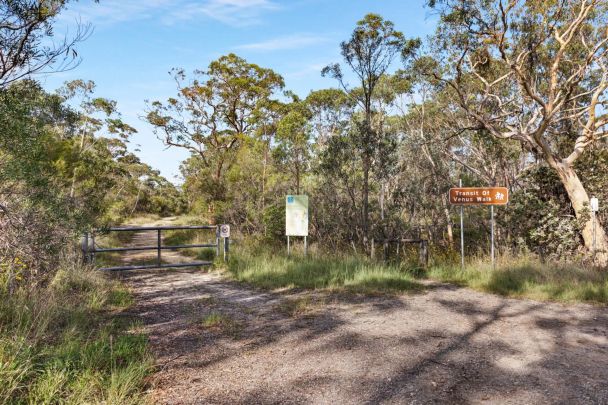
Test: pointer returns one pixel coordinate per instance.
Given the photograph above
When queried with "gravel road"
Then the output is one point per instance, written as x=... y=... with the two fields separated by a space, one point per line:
x=442 y=345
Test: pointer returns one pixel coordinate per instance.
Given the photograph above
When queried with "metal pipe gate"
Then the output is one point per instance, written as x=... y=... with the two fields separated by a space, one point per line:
x=90 y=249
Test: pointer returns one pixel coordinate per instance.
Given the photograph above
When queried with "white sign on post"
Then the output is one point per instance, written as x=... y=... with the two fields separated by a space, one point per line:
x=296 y=215
x=595 y=204
x=224 y=231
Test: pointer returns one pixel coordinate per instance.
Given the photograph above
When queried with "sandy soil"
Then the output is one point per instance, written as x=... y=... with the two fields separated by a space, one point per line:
x=443 y=345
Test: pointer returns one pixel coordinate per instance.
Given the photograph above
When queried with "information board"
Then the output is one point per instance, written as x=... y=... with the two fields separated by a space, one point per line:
x=296 y=215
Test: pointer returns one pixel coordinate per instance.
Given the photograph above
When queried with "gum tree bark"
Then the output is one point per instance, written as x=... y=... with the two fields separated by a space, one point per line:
x=532 y=72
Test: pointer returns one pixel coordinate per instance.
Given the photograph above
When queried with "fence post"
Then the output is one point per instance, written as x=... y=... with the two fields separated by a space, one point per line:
x=85 y=247
x=92 y=253
x=424 y=253
x=217 y=241
x=158 y=258
x=386 y=250
x=373 y=250
x=226 y=248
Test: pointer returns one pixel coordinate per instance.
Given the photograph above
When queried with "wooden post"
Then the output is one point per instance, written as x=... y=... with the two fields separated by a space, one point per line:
x=85 y=247
x=424 y=253
x=373 y=251
x=385 y=250
x=92 y=253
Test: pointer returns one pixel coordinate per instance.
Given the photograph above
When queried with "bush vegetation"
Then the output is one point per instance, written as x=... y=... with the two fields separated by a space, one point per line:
x=69 y=343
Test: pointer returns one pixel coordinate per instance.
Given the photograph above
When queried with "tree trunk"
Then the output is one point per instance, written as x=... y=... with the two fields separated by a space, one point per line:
x=365 y=219
x=263 y=196
x=297 y=178
x=448 y=218
x=580 y=202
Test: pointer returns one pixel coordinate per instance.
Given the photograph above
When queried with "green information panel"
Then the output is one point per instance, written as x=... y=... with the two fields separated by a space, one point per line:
x=296 y=215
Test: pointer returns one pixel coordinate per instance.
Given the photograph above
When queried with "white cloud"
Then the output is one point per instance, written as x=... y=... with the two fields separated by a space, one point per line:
x=283 y=43
x=114 y=11
x=231 y=12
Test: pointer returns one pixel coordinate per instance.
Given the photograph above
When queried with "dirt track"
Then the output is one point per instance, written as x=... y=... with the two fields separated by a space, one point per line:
x=445 y=345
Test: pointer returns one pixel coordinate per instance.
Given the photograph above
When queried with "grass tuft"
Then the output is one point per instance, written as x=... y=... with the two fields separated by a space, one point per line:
x=223 y=323
x=67 y=343
x=300 y=307
x=351 y=274
x=526 y=277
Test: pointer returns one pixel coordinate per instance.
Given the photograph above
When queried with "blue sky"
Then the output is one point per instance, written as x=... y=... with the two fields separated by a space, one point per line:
x=135 y=43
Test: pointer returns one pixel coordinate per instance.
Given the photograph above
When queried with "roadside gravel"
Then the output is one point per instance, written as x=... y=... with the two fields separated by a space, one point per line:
x=443 y=345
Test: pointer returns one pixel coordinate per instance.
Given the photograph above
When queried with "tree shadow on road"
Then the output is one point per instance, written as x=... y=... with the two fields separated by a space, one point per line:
x=448 y=345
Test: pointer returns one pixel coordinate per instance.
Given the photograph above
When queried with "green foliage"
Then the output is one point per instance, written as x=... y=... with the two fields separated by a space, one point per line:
x=64 y=170
x=292 y=152
x=539 y=216
x=66 y=344
x=26 y=35
x=214 y=115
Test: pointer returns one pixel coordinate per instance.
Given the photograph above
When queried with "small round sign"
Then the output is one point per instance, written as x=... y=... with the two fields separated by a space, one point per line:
x=224 y=231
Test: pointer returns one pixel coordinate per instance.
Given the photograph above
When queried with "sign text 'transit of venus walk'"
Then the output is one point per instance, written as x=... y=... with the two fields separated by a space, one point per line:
x=479 y=196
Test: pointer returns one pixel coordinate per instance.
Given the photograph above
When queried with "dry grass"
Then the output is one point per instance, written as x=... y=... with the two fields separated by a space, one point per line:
x=222 y=323
x=300 y=307
x=67 y=343
x=527 y=277
x=350 y=274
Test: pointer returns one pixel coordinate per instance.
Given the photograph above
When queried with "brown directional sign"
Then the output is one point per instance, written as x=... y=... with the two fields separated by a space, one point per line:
x=479 y=196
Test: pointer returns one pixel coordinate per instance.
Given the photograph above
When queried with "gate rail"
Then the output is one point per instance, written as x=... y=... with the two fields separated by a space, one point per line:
x=90 y=249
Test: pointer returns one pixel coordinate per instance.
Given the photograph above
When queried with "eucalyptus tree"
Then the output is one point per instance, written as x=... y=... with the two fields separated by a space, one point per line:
x=534 y=73
x=331 y=111
x=95 y=115
x=293 y=149
x=369 y=54
x=42 y=208
x=335 y=181
x=27 y=41
x=215 y=112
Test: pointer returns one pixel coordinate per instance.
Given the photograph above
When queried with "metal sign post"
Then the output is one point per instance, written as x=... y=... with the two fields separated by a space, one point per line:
x=478 y=196
x=226 y=248
x=225 y=235
x=595 y=207
x=296 y=219
x=461 y=232
x=492 y=235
